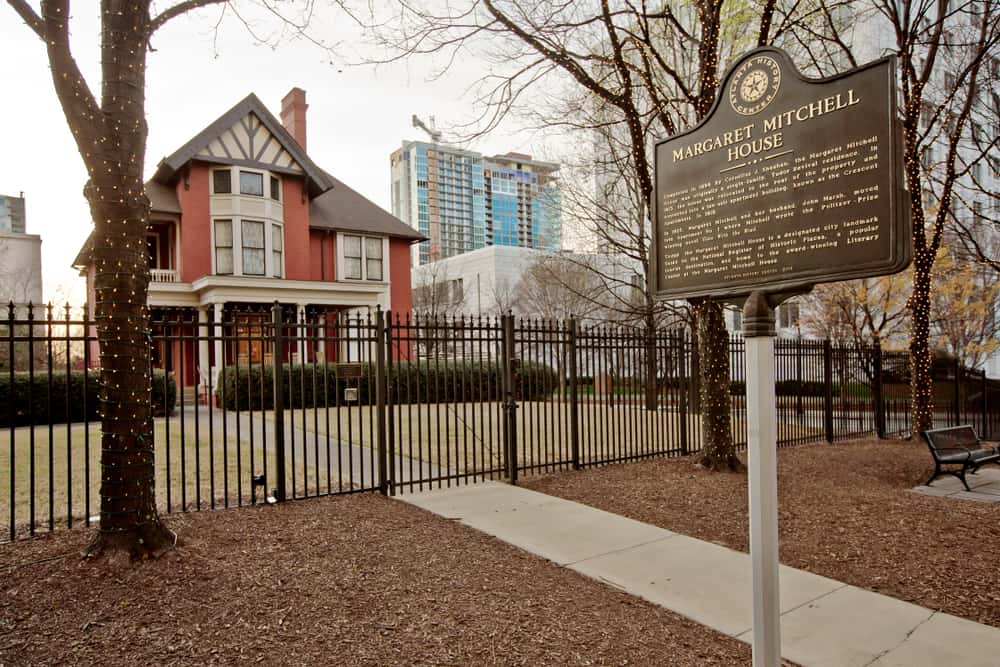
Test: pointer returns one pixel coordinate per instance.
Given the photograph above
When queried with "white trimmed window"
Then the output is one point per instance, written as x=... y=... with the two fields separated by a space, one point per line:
x=252 y=183
x=352 y=257
x=253 y=248
x=222 y=181
x=363 y=257
x=373 y=258
x=224 y=247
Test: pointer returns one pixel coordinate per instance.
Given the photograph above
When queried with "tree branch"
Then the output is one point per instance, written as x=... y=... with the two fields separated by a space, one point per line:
x=29 y=16
x=178 y=9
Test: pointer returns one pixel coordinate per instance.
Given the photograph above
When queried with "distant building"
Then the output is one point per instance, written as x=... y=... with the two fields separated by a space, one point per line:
x=12 y=214
x=20 y=255
x=462 y=201
x=490 y=281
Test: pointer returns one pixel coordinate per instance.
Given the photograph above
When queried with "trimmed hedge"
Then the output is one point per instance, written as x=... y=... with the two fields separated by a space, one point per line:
x=317 y=385
x=37 y=410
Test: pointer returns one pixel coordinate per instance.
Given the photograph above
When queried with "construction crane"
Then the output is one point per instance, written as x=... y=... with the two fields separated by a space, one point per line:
x=429 y=128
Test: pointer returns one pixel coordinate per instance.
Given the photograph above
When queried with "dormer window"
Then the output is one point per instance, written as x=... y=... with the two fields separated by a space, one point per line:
x=251 y=183
x=222 y=182
x=253 y=248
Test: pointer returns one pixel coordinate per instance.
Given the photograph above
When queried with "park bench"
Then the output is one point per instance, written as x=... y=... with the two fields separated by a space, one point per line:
x=958 y=446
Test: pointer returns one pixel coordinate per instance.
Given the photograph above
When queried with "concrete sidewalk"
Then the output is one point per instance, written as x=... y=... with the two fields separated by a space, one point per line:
x=824 y=622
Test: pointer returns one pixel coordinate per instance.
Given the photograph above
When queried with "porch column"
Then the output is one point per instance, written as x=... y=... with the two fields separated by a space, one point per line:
x=217 y=341
x=303 y=333
x=201 y=334
x=321 y=335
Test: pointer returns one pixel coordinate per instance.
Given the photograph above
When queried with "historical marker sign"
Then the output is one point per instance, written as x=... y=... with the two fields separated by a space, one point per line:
x=787 y=182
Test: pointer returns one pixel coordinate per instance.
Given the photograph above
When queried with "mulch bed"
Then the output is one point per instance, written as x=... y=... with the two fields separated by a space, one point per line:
x=358 y=580
x=844 y=512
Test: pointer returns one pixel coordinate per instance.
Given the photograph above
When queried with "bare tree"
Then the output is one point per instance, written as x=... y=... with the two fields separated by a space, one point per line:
x=964 y=303
x=558 y=287
x=435 y=294
x=870 y=310
x=946 y=52
x=110 y=133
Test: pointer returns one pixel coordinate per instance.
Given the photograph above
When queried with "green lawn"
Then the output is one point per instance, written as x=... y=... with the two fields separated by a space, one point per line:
x=461 y=437
x=188 y=464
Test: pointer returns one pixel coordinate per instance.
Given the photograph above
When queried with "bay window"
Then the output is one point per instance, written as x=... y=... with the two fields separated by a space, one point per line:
x=222 y=181
x=277 y=246
x=224 y=246
x=253 y=248
x=251 y=183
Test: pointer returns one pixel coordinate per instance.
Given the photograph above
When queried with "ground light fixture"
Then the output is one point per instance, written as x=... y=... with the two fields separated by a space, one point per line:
x=261 y=481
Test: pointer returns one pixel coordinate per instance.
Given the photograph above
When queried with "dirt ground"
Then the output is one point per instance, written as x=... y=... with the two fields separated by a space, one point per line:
x=844 y=512
x=356 y=580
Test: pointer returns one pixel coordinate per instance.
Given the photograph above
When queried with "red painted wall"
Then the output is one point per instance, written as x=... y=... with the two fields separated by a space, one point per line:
x=320 y=244
x=400 y=292
x=196 y=231
x=297 y=250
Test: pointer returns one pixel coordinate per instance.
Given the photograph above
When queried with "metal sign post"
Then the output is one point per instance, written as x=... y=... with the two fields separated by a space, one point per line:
x=762 y=432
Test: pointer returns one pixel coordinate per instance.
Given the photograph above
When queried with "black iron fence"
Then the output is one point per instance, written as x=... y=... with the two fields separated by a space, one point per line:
x=294 y=403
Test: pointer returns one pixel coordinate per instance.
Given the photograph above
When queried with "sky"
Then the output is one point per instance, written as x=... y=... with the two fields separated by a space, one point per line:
x=357 y=115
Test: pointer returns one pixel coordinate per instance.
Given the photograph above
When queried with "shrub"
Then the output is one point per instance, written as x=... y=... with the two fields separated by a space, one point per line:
x=29 y=397
x=318 y=385
x=800 y=388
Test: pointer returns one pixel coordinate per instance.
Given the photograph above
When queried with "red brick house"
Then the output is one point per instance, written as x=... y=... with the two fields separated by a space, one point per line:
x=242 y=217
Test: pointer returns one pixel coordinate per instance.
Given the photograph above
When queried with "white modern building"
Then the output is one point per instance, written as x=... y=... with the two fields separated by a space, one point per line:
x=493 y=280
x=20 y=255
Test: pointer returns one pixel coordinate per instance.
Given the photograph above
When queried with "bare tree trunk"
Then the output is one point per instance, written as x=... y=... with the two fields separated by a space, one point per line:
x=718 y=449
x=129 y=519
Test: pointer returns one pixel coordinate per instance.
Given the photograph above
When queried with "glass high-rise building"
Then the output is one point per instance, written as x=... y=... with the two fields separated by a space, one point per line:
x=462 y=201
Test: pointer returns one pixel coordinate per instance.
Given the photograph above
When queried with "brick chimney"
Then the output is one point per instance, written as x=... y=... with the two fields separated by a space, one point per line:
x=293 y=114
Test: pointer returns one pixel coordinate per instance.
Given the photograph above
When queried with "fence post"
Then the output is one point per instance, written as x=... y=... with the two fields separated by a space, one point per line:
x=279 y=400
x=574 y=428
x=958 y=392
x=383 y=478
x=509 y=404
x=828 y=387
x=798 y=376
x=390 y=416
x=877 y=391
x=683 y=386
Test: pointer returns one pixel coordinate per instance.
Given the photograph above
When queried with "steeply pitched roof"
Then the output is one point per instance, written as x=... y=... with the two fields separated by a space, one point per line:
x=343 y=209
x=319 y=181
x=162 y=198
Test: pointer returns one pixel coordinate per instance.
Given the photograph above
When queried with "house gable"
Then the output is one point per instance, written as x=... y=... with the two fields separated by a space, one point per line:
x=247 y=135
x=249 y=142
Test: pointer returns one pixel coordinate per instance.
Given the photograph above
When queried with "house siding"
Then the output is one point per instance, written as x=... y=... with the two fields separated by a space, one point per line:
x=196 y=234
x=297 y=249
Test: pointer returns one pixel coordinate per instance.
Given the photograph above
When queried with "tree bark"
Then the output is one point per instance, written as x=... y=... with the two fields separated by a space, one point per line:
x=111 y=138
x=921 y=380
x=718 y=449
